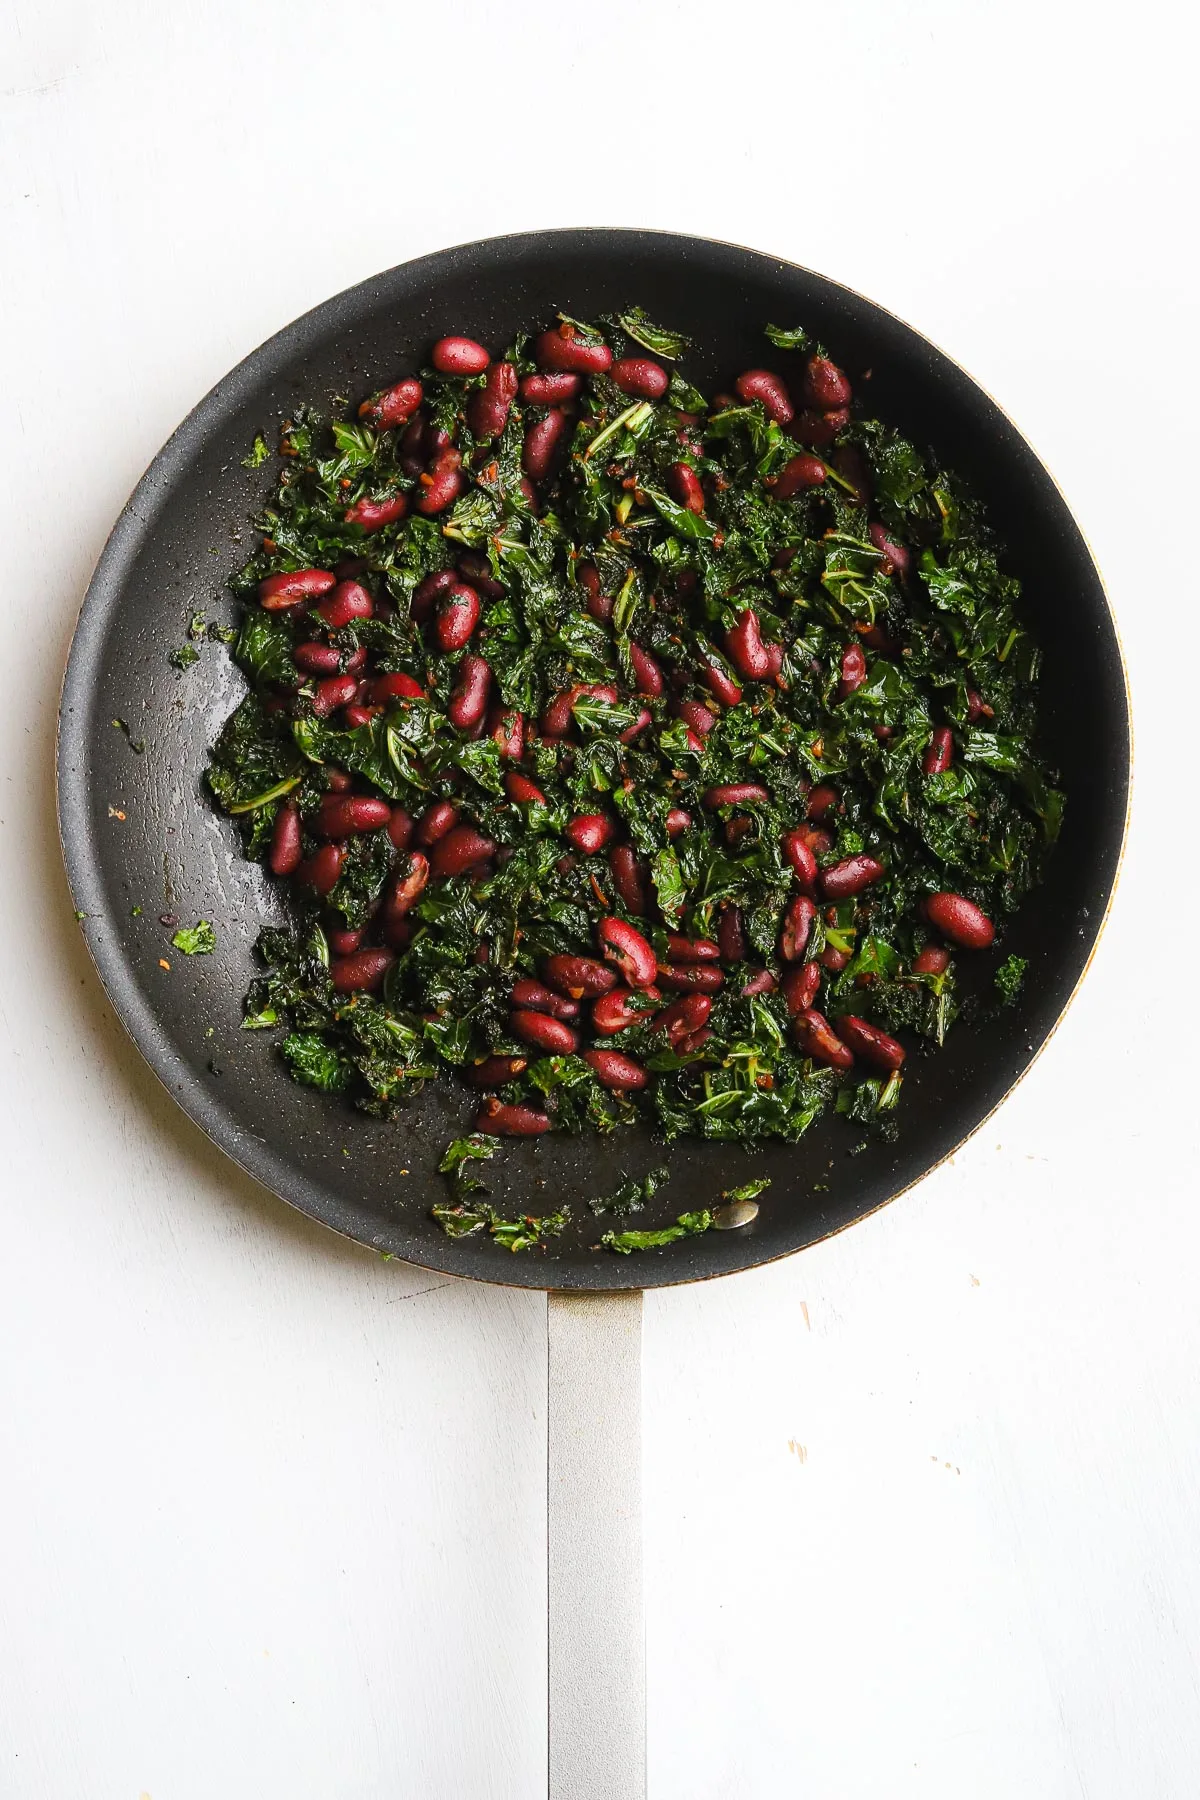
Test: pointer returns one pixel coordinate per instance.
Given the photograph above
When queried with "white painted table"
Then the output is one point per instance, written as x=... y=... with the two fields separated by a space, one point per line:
x=922 y=1505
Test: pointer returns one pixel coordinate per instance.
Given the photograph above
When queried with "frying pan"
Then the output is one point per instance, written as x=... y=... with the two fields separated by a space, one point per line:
x=140 y=841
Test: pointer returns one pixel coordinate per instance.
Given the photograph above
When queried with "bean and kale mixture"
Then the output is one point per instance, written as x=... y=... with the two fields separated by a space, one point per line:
x=628 y=753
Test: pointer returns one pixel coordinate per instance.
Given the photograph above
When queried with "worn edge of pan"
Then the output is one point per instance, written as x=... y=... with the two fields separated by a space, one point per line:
x=154 y=486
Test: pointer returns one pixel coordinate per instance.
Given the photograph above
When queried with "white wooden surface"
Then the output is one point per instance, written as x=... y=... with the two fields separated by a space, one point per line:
x=921 y=1505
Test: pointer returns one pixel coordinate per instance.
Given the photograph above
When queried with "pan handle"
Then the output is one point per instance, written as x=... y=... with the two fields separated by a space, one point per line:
x=595 y=1616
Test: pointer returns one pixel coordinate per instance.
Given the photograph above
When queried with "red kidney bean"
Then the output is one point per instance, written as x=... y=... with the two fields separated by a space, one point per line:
x=874 y=1046
x=818 y=841
x=693 y=1043
x=599 y=605
x=506 y=728
x=428 y=592
x=503 y=1120
x=797 y=475
x=682 y=949
x=543 y=440
x=940 y=754
x=640 y=376
x=731 y=935
x=496 y=1071
x=459 y=356
x=851 y=465
x=386 y=688
x=800 y=985
x=556 y=351
x=612 y=1070
x=720 y=683
x=373 y=515
x=476 y=570
x=736 y=829
x=695 y=714
x=894 y=558
x=397 y=933
x=977 y=707
x=400 y=827
x=834 y=960
x=678 y=821
x=354 y=716
x=518 y=787
x=797 y=928
x=933 y=960
x=343 y=942
x=628 y=950
x=691 y=978
x=393 y=406
x=440 y=488
x=436 y=821
x=683 y=1016
x=636 y=729
x=489 y=406
x=349 y=567
x=407 y=886
x=853 y=670
x=319 y=659
x=798 y=854
x=819 y=1042
x=285 y=852
x=321 y=871
x=621 y=1008
x=413 y=446
x=334 y=691
x=761 y=982
x=628 y=878
x=589 y=833
x=275 y=592
x=348 y=601
x=557 y=719
x=463 y=848
x=825 y=385
x=850 y=877
x=960 y=920
x=457 y=616
x=469 y=695
x=646 y=672
x=817 y=430
x=341 y=815
x=545 y=1033
x=338 y=781
x=746 y=648
x=683 y=484
x=531 y=996
x=820 y=800
x=767 y=388
x=361 y=972
x=735 y=793
x=578 y=976
x=550 y=390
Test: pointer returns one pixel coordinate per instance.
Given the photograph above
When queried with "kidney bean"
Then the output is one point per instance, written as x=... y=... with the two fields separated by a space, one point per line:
x=621 y=1008
x=338 y=781
x=531 y=996
x=796 y=476
x=518 y=787
x=797 y=928
x=334 y=691
x=506 y=728
x=628 y=950
x=427 y=593
x=977 y=707
x=343 y=942
x=459 y=356
x=940 y=754
x=850 y=877
x=760 y=982
x=489 y=406
x=834 y=960
x=824 y=384
x=550 y=390
x=960 y=920
x=275 y=592
x=820 y=1042
x=407 y=886
x=341 y=815
x=683 y=1016
x=361 y=972
x=348 y=601
x=386 y=688
x=395 y=932
x=496 y=1071
x=442 y=486
x=720 y=683
x=557 y=719
x=683 y=484
x=933 y=960
x=462 y=849
x=503 y=1120
x=646 y=672
x=413 y=446
x=629 y=878
x=543 y=441
x=851 y=465
x=354 y=716
x=545 y=1033
x=800 y=985
x=640 y=376
x=320 y=872
x=820 y=800
x=817 y=430
x=736 y=829
x=400 y=827
x=578 y=976
x=612 y=1070
x=457 y=616
x=476 y=570
x=373 y=515
x=599 y=605
x=683 y=949
x=800 y=857
x=695 y=714
x=735 y=793
x=284 y=856
x=767 y=388
x=894 y=558
x=678 y=821
x=437 y=819
x=691 y=978
x=746 y=648
x=319 y=659
x=731 y=935
x=853 y=670
x=393 y=405
x=469 y=695
x=589 y=833
x=556 y=351
x=874 y=1046
x=636 y=729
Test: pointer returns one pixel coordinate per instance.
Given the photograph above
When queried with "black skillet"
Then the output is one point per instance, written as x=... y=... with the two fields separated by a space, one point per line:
x=137 y=832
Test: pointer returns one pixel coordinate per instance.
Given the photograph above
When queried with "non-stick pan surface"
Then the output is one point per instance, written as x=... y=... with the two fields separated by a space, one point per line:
x=138 y=833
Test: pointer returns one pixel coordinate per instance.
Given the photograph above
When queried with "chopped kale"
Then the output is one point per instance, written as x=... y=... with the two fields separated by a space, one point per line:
x=196 y=940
